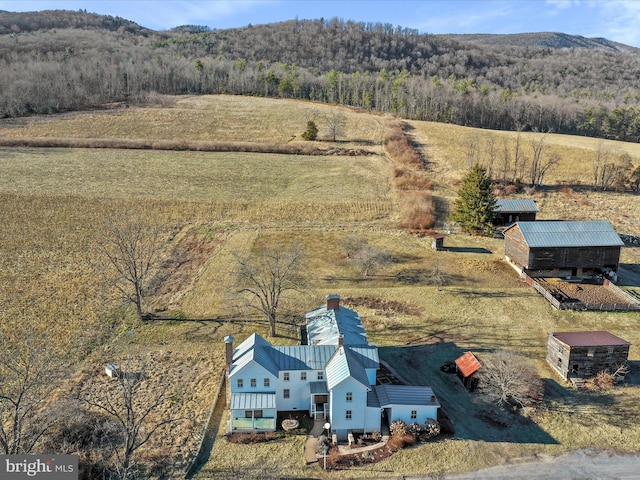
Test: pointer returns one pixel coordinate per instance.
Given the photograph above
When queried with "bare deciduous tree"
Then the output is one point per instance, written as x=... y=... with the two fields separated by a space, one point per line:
x=509 y=379
x=131 y=243
x=132 y=408
x=437 y=277
x=370 y=258
x=335 y=122
x=540 y=164
x=27 y=377
x=263 y=281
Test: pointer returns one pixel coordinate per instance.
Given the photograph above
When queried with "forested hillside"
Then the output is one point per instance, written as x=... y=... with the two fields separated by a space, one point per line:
x=59 y=60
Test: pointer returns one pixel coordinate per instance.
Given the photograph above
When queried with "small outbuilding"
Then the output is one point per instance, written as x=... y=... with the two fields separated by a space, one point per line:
x=562 y=249
x=467 y=366
x=579 y=355
x=437 y=242
x=511 y=210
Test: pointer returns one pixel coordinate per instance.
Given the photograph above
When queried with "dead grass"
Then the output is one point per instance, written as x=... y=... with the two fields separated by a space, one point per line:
x=52 y=201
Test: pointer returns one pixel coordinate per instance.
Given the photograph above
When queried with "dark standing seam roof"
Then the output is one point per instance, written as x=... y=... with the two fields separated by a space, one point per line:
x=568 y=234
x=515 y=205
x=589 y=339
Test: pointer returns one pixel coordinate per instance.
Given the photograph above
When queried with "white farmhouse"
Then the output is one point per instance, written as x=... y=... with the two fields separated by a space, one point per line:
x=332 y=378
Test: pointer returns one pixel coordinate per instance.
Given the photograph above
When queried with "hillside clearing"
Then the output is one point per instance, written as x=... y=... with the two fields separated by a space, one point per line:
x=217 y=204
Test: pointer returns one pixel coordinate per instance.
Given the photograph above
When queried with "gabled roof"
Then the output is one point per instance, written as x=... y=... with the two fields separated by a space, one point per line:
x=325 y=327
x=344 y=364
x=468 y=364
x=589 y=339
x=274 y=359
x=568 y=234
x=256 y=349
x=514 y=205
x=405 y=395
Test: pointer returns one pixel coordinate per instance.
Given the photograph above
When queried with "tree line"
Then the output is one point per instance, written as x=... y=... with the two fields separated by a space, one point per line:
x=580 y=91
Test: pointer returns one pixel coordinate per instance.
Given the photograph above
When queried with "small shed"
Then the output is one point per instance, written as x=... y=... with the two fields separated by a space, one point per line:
x=585 y=354
x=437 y=242
x=560 y=249
x=467 y=366
x=512 y=210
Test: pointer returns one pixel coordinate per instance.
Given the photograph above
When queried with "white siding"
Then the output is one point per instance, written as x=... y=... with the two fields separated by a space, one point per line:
x=298 y=392
x=246 y=373
x=339 y=406
x=403 y=412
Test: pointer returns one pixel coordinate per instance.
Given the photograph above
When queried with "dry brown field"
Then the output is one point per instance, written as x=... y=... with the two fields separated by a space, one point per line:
x=220 y=204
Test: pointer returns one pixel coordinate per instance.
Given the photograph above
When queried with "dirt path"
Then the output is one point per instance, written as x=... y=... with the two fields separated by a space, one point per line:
x=577 y=465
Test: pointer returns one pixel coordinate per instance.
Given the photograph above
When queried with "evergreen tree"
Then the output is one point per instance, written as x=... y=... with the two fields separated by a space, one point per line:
x=474 y=209
x=312 y=131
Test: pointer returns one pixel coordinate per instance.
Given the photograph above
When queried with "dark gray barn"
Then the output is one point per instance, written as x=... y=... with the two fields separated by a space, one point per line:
x=561 y=249
x=512 y=210
x=585 y=354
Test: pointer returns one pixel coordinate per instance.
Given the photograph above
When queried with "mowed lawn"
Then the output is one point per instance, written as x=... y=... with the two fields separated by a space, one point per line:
x=242 y=203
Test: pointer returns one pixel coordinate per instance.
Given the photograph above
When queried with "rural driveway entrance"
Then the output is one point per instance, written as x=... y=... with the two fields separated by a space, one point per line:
x=577 y=465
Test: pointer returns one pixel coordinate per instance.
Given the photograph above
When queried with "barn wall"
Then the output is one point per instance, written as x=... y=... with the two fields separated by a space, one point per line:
x=574 y=257
x=558 y=356
x=515 y=248
x=584 y=362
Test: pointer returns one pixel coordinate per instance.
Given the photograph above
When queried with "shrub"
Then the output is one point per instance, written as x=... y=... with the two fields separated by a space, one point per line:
x=417 y=210
x=398 y=428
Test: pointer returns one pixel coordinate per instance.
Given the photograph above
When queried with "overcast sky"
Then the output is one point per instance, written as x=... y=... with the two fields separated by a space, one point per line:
x=617 y=20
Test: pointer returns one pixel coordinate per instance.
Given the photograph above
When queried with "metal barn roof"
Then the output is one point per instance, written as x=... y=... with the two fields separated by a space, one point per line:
x=513 y=205
x=568 y=234
x=468 y=364
x=589 y=339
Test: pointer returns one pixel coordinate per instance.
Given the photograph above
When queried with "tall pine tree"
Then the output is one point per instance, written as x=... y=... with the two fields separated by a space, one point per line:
x=474 y=209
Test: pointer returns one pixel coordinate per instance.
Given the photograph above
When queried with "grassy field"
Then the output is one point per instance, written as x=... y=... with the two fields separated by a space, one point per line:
x=219 y=204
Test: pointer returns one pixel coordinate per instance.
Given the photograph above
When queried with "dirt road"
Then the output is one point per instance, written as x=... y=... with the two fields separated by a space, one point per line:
x=577 y=465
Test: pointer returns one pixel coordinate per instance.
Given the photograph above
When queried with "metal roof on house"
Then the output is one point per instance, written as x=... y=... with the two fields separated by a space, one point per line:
x=251 y=401
x=513 y=205
x=316 y=388
x=568 y=234
x=589 y=339
x=405 y=395
x=344 y=364
x=325 y=327
x=302 y=357
x=468 y=364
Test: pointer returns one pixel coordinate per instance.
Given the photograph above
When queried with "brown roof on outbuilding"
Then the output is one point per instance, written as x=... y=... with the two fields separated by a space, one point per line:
x=468 y=364
x=589 y=339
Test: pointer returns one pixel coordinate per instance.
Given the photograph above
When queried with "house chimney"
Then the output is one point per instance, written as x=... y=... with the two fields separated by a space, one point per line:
x=333 y=302
x=340 y=340
x=228 y=345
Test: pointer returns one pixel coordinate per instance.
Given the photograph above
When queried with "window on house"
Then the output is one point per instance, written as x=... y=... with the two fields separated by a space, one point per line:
x=349 y=396
x=253 y=383
x=303 y=375
x=239 y=383
x=320 y=375
x=347 y=415
x=286 y=393
x=257 y=413
x=286 y=376
x=414 y=414
x=248 y=413
x=267 y=382
x=591 y=352
x=559 y=361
